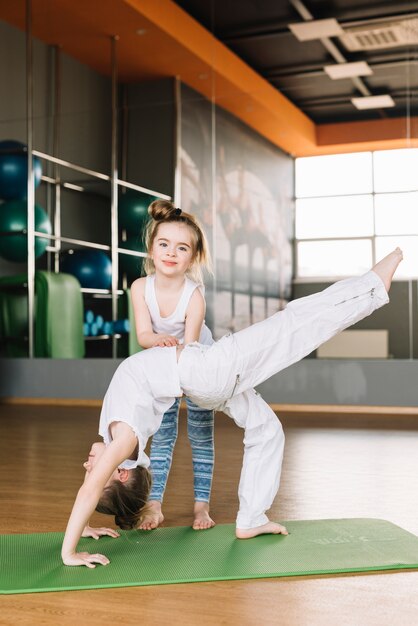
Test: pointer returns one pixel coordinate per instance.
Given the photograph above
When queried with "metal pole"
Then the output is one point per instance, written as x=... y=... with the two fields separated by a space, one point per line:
x=214 y=199
x=114 y=190
x=125 y=133
x=31 y=182
x=177 y=142
x=55 y=152
x=411 y=318
x=124 y=160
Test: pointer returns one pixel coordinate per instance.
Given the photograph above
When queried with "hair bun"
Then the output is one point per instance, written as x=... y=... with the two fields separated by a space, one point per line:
x=161 y=210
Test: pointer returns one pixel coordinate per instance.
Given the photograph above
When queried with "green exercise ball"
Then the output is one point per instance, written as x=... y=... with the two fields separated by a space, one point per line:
x=133 y=211
x=129 y=264
x=14 y=218
x=14 y=170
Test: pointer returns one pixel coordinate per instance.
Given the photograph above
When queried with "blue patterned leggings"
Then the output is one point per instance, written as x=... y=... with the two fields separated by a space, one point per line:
x=200 y=432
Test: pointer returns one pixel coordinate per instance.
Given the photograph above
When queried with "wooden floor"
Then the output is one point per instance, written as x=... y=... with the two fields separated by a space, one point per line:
x=362 y=467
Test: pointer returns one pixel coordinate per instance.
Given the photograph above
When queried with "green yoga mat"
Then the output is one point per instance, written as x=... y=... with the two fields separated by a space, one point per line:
x=31 y=563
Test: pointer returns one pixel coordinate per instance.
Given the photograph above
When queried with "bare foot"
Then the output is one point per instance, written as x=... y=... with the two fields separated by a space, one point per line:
x=202 y=519
x=386 y=268
x=151 y=516
x=271 y=528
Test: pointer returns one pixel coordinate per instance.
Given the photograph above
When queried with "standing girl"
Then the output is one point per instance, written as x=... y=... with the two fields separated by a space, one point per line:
x=169 y=309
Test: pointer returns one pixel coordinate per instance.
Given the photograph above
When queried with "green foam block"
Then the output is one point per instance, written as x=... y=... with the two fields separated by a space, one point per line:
x=31 y=563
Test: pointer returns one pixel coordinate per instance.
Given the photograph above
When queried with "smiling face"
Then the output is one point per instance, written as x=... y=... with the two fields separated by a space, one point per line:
x=173 y=249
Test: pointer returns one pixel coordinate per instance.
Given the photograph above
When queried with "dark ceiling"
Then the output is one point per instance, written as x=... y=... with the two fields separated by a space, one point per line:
x=257 y=31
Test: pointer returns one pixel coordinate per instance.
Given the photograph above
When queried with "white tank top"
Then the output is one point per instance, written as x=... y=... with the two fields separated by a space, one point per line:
x=174 y=324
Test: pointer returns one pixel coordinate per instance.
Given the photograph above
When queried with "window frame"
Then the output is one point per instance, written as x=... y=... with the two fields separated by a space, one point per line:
x=372 y=238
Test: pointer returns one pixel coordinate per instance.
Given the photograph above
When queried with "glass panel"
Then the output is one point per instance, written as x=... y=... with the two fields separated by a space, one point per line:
x=344 y=216
x=334 y=258
x=396 y=170
x=396 y=214
x=334 y=175
x=409 y=266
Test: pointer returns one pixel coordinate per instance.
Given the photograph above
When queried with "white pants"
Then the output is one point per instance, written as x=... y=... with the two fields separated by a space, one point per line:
x=221 y=376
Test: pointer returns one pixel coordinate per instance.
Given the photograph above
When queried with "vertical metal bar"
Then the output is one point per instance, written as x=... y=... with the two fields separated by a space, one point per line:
x=124 y=160
x=55 y=153
x=125 y=133
x=214 y=202
x=408 y=101
x=31 y=182
x=114 y=190
x=177 y=142
x=50 y=189
x=410 y=319
x=251 y=252
x=374 y=213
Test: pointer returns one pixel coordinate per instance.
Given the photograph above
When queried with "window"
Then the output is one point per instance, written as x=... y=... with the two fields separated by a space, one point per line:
x=352 y=209
x=334 y=175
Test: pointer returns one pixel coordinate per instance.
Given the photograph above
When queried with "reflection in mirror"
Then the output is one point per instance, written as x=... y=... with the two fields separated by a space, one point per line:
x=120 y=120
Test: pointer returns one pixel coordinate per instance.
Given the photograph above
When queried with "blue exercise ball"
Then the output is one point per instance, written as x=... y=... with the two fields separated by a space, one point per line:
x=92 y=268
x=133 y=211
x=14 y=170
x=14 y=219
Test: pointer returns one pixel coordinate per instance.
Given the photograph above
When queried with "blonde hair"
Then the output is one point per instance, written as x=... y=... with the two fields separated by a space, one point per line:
x=164 y=211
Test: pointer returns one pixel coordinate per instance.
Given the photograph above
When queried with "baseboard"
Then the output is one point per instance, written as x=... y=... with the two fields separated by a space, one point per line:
x=307 y=409
x=87 y=402
x=344 y=409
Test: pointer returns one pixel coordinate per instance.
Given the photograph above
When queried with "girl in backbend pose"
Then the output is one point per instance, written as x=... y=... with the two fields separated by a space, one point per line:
x=169 y=310
x=219 y=376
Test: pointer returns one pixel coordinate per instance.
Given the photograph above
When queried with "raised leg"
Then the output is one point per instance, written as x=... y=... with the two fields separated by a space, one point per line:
x=218 y=376
x=243 y=360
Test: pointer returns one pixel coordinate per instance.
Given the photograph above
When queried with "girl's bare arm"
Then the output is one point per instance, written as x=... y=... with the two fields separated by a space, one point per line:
x=89 y=494
x=195 y=316
x=144 y=333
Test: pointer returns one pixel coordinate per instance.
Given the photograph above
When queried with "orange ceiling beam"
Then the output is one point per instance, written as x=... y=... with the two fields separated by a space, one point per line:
x=229 y=82
x=174 y=44
x=385 y=134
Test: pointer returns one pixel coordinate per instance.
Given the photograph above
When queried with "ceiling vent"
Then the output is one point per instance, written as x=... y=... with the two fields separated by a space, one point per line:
x=381 y=35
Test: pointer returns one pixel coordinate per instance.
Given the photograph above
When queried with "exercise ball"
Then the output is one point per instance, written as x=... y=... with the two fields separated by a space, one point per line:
x=129 y=264
x=14 y=218
x=92 y=268
x=121 y=326
x=133 y=211
x=14 y=170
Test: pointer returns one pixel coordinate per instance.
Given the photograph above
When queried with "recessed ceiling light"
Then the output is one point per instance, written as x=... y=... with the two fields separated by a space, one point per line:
x=316 y=29
x=141 y=31
x=203 y=76
x=348 y=70
x=373 y=102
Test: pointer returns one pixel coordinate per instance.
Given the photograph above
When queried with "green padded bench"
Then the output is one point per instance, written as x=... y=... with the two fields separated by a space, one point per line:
x=58 y=316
